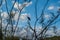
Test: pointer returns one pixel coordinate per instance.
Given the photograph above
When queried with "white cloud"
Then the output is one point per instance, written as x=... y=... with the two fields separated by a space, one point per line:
x=50 y=33
x=4 y=15
x=50 y=7
x=16 y=5
x=23 y=33
x=24 y=16
x=46 y=16
x=21 y=5
x=16 y=16
x=27 y=3
x=58 y=33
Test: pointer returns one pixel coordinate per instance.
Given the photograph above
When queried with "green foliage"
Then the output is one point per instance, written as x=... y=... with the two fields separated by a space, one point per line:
x=53 y=38
x=14 y=38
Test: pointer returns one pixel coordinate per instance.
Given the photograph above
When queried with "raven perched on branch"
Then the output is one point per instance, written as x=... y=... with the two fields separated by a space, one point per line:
x=28 y=18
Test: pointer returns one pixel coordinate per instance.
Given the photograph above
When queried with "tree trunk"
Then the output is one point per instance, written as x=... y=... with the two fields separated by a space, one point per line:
x=1 y=35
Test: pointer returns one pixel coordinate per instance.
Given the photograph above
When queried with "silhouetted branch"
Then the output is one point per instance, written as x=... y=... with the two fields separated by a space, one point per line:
x=49 y=24
x=41 y=16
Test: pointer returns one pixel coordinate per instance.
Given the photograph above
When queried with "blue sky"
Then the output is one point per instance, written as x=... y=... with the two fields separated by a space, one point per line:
x=41 y=3
x=52 y=6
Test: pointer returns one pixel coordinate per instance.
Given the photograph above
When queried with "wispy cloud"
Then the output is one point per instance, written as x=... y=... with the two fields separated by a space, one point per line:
x=21 y=5
x=4 y=15
x=46 y=16
x=24 y=16
x=50 y=7
x=28 y=3
x=16 y=5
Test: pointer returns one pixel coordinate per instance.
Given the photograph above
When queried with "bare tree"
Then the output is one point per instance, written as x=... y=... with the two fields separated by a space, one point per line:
x=40 y=20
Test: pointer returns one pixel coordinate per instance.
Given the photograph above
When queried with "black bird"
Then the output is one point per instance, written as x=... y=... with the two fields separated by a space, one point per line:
x=28 y=18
